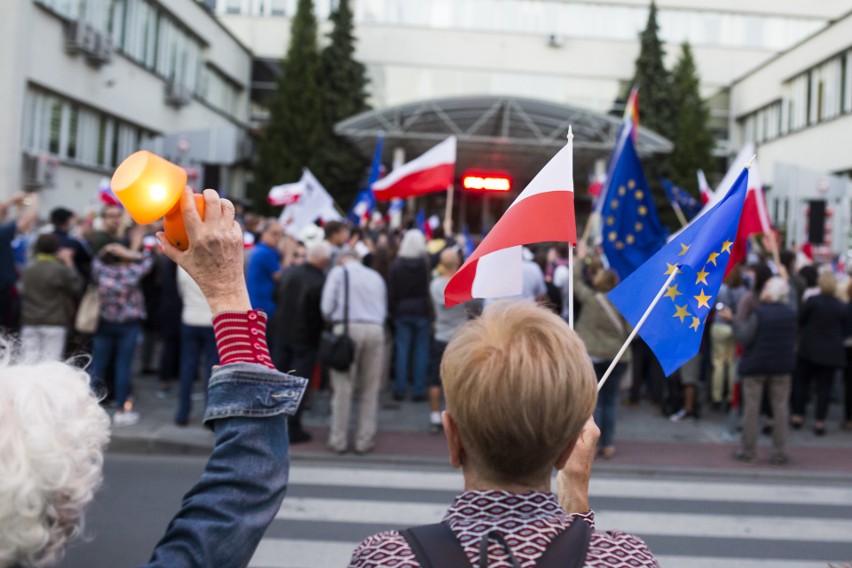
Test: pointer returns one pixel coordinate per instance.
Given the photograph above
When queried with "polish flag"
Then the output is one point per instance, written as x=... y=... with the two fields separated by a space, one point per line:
x=543 y=212
x=754 y=219
x=286 y=194
x=432 y=171
x=704 y=188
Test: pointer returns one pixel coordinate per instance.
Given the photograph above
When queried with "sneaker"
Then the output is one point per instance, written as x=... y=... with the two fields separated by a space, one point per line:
x=435 y=425
x=779 y=459
x=125 y=418
x=745 y=458
x=681 y=415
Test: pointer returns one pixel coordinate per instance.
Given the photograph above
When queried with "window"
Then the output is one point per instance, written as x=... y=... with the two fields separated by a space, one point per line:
x=76 y=133
x=233 y=6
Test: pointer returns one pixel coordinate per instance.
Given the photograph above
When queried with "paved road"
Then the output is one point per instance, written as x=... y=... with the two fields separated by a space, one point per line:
x=689 y=522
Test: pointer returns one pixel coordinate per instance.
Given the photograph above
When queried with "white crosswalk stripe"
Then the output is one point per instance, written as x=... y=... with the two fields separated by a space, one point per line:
x=688 y=523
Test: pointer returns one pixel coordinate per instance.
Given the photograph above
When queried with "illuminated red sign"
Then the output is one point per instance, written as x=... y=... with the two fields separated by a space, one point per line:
x=487 y=182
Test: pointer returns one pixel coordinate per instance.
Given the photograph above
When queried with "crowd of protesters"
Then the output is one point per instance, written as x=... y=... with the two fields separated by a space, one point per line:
x=781 y=333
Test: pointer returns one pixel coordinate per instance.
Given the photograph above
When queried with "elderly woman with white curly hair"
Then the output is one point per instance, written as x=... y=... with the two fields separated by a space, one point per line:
x=53 y=431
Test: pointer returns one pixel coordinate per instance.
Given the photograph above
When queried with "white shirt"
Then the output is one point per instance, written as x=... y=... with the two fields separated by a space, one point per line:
x=368 y=295
x=196 y=310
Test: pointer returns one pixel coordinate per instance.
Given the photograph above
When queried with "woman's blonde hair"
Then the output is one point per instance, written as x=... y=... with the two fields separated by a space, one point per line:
x=519 y=385
x=827 y=282
x=52 y=436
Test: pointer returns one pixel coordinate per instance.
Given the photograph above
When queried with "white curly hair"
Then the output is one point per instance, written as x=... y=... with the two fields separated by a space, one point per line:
x=52 y=437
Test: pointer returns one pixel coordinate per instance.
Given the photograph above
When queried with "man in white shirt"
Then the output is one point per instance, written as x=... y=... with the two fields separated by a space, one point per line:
x=366 y=311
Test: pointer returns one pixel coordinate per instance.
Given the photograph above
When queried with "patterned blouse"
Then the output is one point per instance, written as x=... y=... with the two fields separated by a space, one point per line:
x=529 y=522
x=118 y=286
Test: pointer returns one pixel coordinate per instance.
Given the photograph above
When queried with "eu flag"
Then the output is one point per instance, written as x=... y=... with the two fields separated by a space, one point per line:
x=632 y=232
x=688 y=204
x=698 y=256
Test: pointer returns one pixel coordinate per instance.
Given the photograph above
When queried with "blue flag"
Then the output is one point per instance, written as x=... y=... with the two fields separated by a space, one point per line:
x=365 y=201
x=700 y=255
x=468 y=243
x=688 y=204
x=632 y=232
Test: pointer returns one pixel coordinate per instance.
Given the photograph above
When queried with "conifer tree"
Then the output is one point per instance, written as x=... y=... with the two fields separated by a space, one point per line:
x=296 y=125
x=653 y=79
x=692 y=139
x=344 y=81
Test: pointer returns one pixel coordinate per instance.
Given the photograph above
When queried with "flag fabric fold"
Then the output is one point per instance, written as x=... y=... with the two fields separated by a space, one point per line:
x=688 y=204
x=314 y=203
x=704 y=188
x=430 y=172
x=365 y=201
x=285 y=194
x=632 y=232
x=543 y=212
x=698 y=255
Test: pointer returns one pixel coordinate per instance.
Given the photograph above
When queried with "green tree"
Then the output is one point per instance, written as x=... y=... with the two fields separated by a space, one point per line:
x=344 y=82
x=692 y=139
x=653 y=79
x=296 y=126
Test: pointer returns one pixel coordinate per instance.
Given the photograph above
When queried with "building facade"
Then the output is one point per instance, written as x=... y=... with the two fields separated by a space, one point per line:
x=580 y=53
x=797 y=109
x=86 y=83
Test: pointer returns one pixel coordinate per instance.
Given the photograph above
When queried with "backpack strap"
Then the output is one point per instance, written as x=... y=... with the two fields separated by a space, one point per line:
x=436 y=546
x=569 y=548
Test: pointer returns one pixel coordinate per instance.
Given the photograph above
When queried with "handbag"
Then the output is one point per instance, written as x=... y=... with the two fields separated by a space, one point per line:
x=338 y=350
x=89 y=311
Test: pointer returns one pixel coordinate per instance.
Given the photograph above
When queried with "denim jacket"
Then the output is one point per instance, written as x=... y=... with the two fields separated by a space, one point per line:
x=224 y=516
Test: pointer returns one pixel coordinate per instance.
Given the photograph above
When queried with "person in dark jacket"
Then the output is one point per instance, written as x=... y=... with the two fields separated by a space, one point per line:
x=822 y=323
x=768 y=336
x=50 y=285
x=299 y=319
x=409 y=308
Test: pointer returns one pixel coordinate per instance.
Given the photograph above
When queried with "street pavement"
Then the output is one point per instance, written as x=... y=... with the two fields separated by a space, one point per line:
x=646 y=441
x=689 y=521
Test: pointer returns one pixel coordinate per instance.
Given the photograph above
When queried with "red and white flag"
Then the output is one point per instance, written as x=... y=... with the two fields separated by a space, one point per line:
x=543 y=212
x=286 y=194
x=432 y=171
x=755 y=218
x=704 y=188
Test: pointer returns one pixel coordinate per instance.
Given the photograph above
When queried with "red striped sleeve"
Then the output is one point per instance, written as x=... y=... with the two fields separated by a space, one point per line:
x=241 y=338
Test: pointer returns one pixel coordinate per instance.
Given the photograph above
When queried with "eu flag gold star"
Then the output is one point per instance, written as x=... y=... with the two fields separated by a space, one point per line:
x=695 y=323
x=630 y=239
x=726 y=246
x=672 y=292
x=683 y=249
x=682 y=312
x=621 y=190
x=614 y=203
x=639 y=194
x=672 y=268
x=642 y=210
x=712 y=258
x=701 y=276
x=631 y=184
x=610 y=220
x=703 y=299
x=638 y=226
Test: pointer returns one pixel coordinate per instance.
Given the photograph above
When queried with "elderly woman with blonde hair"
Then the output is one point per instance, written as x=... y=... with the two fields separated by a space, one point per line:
x=53 y=430
x=520 y=391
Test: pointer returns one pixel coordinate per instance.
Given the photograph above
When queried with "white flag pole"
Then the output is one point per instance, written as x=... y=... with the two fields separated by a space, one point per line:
x=679 y=212
x=570 y=247
x=636 y=329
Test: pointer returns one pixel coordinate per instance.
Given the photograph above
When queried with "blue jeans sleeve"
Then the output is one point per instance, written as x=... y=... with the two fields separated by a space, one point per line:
x=224 y=516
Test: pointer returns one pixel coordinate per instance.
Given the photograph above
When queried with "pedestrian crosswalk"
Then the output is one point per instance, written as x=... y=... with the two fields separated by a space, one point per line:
x=688 y=522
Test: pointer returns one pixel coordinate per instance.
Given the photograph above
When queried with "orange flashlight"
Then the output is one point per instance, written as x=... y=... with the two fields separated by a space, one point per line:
x=150 y=187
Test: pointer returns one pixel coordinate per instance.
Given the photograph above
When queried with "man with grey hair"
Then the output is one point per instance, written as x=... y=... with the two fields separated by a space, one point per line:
x=357 y=294
x=299 y=322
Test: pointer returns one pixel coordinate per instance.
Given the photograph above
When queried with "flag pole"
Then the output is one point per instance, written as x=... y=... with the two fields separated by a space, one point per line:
x=679 y=212
x=571 y=248
x=636 y=329
x=448 y=213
